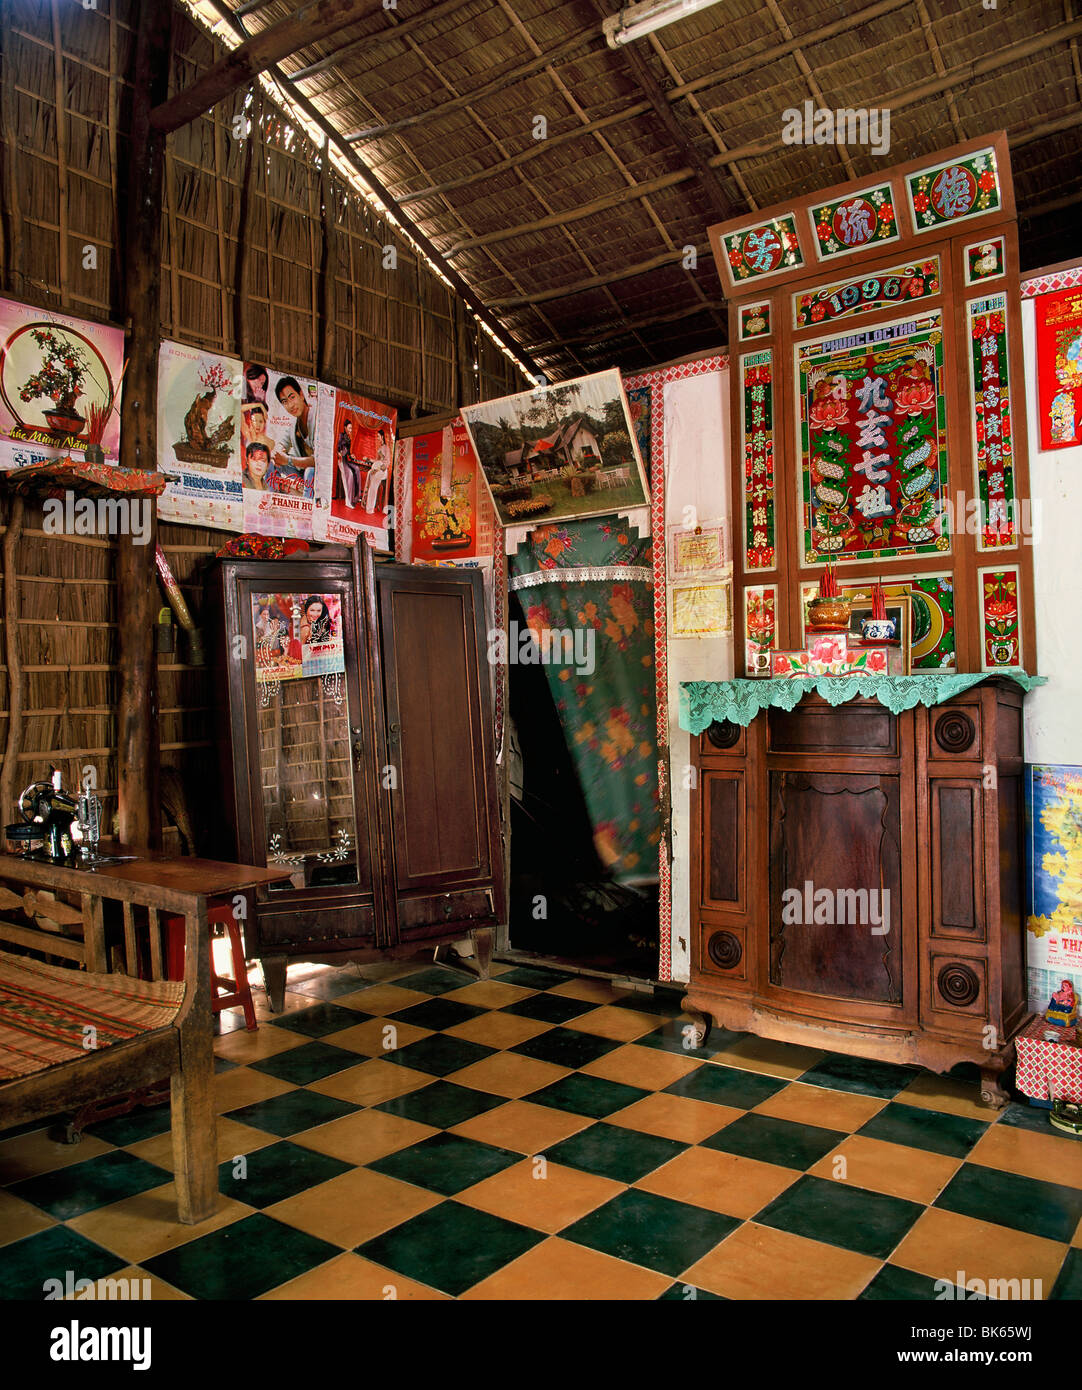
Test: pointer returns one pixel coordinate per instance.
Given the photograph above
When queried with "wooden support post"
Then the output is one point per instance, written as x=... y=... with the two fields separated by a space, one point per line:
x=137 y=715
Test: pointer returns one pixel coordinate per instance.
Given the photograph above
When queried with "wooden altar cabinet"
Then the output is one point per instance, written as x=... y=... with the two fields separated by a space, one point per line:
x=857 y=874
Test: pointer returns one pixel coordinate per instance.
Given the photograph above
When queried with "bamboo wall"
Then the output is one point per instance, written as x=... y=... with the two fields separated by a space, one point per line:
x=266 y=255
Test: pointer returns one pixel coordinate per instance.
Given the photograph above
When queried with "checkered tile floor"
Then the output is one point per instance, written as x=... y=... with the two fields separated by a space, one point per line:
x=409 y=1132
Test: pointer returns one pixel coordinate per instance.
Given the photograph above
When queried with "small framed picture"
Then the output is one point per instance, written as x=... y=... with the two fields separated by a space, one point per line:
x=895 y=637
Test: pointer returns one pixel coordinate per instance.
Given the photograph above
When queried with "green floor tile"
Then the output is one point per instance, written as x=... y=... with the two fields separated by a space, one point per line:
x=564 y=1047
x=26 y=1264
x=241 y=1261
x=437 y=979
x=293 y=1112
x=550 y=1008
x=916 y=1128
x=534 y=977
x=769 y=1140
x=652 y=1231
x=1069 y=1283
x=1034 y=1118
x=443 y=1104
x=307 y=1063
x=677 y=1035
x=320 y=1020
x=145 y=1122
x=451 y=1247
x=727 y=1086
x=330 y=985
x=860 y=1075
x=893 y=1283
x=839 y=1214
x=1025 y=1204
x=688 y=1293
x=624 y=1155
x=439 y=1055
x=437 y=1014
x=446 y=1163
x=587 y=1095
x=281 y=1170
x=83 y=1187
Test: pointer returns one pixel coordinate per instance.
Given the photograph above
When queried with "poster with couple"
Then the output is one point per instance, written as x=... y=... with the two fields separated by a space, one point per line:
x=354 y=473
x=279 y=423
x=446 y=511
x=297 y=635
x=59 y=387
x=199 y=443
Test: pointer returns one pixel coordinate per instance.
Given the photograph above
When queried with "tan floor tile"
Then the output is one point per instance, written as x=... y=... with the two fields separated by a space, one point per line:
x=945 y=1093
x=233 y=1138
x=267 y=1041
x=814 y=1105
x=649 y=1068
x=899 y=1171
x=159 y=1290
x=488 y=994
x=1049 y=1157
x=146 y=1224
x=726 y=1183
x=559 y=1270
x=291 y=1004
x=348 y=1277
x=522 y=1126
x=382 y=999
x=376 y=1036
x=372 y=1082
x=243 y=1086
x=27 y=1155
x=499 y=1030
x=19 y=1218
x=623 y=1025
x=768 y=1057
x=940 y=1243
x=759 y=1263
x=354 y=1207
x=673 y=1117
x=364 y=1137
x=589 y=987
x=546 y=1196
x=508 y=1074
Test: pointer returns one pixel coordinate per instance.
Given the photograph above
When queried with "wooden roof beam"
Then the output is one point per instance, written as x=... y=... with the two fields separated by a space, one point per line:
x=256 y=54
x=378 y=40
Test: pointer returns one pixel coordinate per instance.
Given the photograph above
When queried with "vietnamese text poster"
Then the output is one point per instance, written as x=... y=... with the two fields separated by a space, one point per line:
x=297 y=635
x=279 y=424
x=1059 y=368
x=1054 y=887
x=701 y=610
x=59 y=386
x=354 y=475
x=448 y=512
x=698 y=551
x=199 y=438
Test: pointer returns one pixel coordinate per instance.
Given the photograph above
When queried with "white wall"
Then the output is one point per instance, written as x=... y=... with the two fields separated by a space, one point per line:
x=696 y=474
x=1054 y=711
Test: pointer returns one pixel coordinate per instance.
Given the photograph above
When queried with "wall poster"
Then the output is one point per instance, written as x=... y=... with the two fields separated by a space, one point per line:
x=872 y=443
x=279 y=419
x=354 y=469
x=59 y=386
x=1059 y=368
x=199 y=437
x=297 y=635
x=1054 y=889
x=447 y=512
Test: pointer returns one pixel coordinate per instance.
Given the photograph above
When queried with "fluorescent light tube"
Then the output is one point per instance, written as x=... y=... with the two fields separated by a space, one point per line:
x=635 y=21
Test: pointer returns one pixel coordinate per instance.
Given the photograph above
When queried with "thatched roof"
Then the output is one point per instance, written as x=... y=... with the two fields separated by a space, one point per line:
x=577 y=241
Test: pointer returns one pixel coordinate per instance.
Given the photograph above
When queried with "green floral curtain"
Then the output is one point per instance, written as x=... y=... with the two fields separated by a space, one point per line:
x=596 y=574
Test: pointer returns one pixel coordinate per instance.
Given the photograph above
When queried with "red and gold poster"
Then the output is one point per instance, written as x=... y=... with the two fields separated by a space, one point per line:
x=448 y=512
x=1059 y=368
x=873 y=443
x=355 y=469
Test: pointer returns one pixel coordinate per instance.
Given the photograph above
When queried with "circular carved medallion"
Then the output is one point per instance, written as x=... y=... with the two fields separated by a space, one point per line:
x=725 y=950
x=955 y=731
x=723 y=733
x=958 y=984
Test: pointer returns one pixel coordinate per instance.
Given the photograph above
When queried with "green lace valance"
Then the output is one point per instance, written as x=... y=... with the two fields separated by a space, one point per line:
x=739 y=701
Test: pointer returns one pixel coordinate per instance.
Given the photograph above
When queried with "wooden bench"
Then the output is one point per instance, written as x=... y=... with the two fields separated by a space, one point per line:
x=69 y=1036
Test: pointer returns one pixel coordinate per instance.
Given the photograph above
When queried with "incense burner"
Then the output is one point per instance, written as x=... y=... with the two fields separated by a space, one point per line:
x=828 y=614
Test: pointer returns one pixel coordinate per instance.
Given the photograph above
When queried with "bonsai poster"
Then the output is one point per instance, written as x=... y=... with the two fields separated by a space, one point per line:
x=354 y=468
x=561 y=451
x=59 y=387
x=278 y=434
x=445 y=500
x=873 y=443
x=199 y=437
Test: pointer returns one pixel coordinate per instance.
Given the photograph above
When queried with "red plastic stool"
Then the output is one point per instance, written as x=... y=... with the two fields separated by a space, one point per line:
x=238 y=990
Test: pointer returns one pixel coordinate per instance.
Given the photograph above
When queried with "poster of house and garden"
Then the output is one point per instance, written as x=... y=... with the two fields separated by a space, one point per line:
x=558 y=452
